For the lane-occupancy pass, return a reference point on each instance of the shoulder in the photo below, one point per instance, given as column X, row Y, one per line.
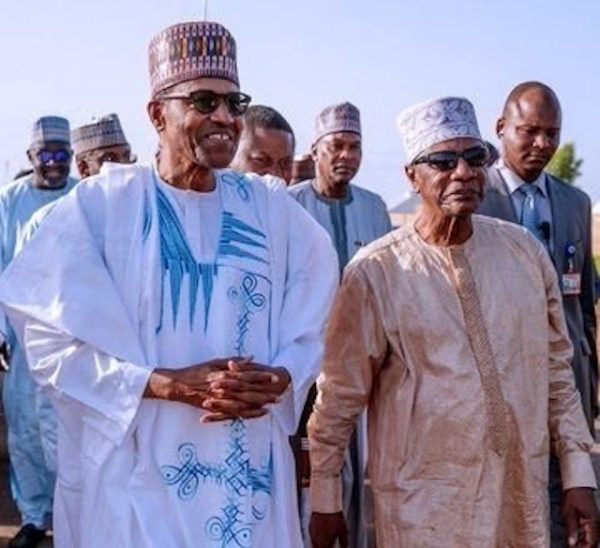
column 300, row 189
column 115, row 181
column 365, row 195
column 15, row 188
column 568, row 191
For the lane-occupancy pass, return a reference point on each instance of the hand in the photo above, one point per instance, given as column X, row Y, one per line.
column 325, row 529
column 581, row 517
column 247, row 383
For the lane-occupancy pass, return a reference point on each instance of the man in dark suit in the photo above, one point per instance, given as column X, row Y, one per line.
column 560, row 216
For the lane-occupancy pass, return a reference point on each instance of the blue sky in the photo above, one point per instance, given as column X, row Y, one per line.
column 81, row 58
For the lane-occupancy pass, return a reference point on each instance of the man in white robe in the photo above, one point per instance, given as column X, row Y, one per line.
column 171, row 285
column 30, row 419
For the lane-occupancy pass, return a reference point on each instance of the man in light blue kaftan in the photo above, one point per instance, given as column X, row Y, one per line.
column 353, row 217
column 31, row 424
column 180, row 326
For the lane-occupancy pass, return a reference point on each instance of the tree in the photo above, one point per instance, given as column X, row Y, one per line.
column 564, row 164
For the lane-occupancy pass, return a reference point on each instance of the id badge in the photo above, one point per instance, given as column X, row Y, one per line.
column 571, row 283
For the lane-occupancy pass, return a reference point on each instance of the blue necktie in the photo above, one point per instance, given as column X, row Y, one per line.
column 530, row 218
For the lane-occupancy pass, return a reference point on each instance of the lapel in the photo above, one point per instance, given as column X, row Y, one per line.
column 497, row 201
column 557, row 194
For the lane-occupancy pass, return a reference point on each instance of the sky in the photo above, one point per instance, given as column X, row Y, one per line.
column 84, row 58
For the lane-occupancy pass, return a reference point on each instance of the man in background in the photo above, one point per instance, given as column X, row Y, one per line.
column 266, row 144
column 31, row 424
column 559, row 215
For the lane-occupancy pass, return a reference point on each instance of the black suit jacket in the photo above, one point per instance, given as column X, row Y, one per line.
column 571, row 224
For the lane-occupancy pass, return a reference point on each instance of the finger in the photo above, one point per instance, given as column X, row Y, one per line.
column 572, row 525
column 216, row 417
column 233, row 407
column 239, row 385
column 591, row 532
column 250, row 397
column 239, row 363
column 259, row 377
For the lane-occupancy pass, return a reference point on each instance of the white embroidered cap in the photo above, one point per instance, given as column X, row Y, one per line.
column 431, row 122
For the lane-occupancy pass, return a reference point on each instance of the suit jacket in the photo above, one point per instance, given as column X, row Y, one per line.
column 571, row 224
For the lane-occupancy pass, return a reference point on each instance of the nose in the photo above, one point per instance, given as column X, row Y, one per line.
column 462, row 169
column 542, row 140
column 222, row 114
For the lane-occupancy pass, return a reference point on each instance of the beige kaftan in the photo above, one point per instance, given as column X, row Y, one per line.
column 462, row 356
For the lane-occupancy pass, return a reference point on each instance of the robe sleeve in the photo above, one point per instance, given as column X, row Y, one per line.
column 310, row 285
column 569, row 433
column 108, row 390
column 78, row 336
column 355, row 349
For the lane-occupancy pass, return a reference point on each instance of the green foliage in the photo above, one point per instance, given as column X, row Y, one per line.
column 564, row 164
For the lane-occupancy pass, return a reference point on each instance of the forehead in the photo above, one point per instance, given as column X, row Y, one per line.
column 218, row 85
column 535, row 109
column 52, row 146
column 116, row 149
column 341, row 137
column 261, row 137
column 457, row 145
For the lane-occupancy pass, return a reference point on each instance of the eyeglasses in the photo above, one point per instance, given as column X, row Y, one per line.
column 206, row 101
column 59, row 156
column 446, row 160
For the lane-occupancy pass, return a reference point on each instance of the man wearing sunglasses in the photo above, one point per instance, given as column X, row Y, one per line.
column 266, row 145
column 559, row 215
column 29, row 415
column 100, row 141
column 179, row 328
column 451, row 332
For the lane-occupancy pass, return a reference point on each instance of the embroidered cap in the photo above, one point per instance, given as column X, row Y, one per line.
column 101, row 132
column 50, row 129
column 336, row 118
column 426, row 124
column 187, row 51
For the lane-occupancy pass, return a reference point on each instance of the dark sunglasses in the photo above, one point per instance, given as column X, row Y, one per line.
column 60, row 156
column 446, row 160
column 206, row 101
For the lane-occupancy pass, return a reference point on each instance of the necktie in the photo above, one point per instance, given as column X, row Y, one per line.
column 530, row 218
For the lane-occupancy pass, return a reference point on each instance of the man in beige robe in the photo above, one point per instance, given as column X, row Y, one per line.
column 451, row 332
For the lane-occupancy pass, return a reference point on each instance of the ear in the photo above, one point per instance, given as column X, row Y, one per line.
column 411, row 175
column 500, row 124
column 83, row 168
column 156, row 114
column 313, row 153
column 30, row 155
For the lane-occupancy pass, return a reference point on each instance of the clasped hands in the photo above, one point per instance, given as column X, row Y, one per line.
column 226, row 388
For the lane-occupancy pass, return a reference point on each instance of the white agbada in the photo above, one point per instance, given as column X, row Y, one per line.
column 144, row 276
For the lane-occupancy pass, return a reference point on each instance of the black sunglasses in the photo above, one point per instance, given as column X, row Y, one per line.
column 59, row 156
column 446, row 160
column 206, row 101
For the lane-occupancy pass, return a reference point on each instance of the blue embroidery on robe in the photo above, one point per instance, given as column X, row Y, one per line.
column 239, row 182
column 147, row 217
column 178, row 261
column 249, row 301
column 239, row 479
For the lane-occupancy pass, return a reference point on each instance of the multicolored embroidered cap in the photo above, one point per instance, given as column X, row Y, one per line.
column 426, row 124
column 105, row 131
column 336, row 118
column 187, row 51
column 50, row 129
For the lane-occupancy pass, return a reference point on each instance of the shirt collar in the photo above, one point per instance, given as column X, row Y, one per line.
column 514, row 182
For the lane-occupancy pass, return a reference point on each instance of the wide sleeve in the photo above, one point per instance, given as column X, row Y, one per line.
column 355, row 349
column 569, row 433
column 311, row 280
column 80, row 338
